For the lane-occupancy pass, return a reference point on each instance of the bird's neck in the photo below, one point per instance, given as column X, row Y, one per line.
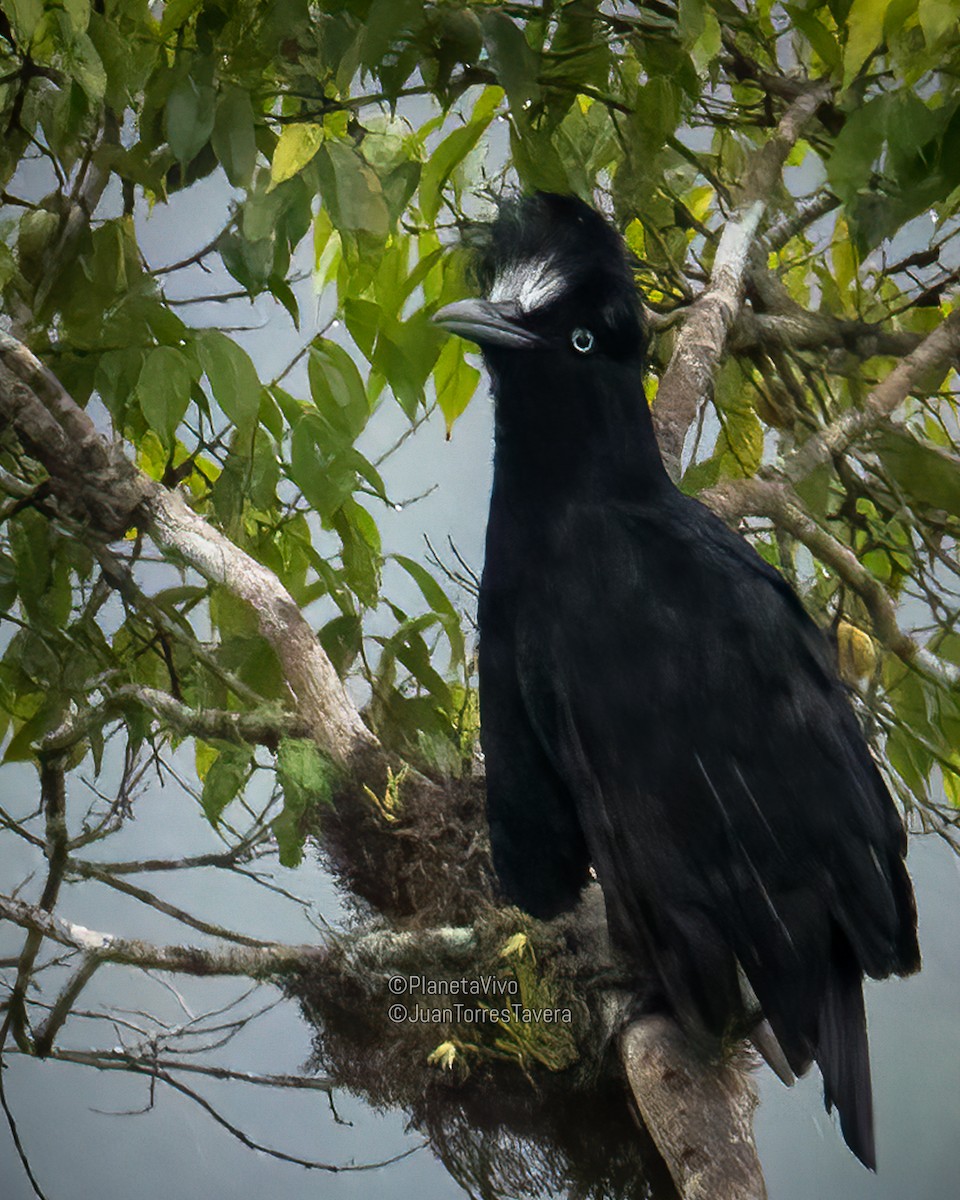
column 577, row 436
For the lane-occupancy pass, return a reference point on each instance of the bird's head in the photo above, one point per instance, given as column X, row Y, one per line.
column 554, row 276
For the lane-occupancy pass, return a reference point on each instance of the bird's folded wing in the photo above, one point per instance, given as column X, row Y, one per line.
column 733, row 811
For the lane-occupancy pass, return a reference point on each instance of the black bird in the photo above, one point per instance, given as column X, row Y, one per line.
column 654, row 699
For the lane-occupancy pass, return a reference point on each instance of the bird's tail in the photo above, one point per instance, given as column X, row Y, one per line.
column 842, row 1053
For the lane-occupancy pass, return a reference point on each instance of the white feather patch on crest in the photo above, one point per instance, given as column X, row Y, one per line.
column 531, row 284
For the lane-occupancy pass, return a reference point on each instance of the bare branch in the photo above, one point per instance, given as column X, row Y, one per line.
column 63, row 1006
column 88, row 870
column 255, row 962
column 122, row 1060
column 790, row 224
column 227, row 859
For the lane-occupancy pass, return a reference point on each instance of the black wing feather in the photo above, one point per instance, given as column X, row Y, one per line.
column 725, row 792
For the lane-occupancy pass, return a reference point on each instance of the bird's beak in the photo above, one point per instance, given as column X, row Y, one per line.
column 488, row 323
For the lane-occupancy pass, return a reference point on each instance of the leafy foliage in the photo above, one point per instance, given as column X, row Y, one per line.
column 355, row 139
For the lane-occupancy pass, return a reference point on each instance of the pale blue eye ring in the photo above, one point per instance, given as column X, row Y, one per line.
column 582, row 340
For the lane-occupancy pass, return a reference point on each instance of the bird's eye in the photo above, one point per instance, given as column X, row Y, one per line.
column 582, row 340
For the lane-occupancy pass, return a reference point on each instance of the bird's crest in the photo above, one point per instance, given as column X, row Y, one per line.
column 544, row 250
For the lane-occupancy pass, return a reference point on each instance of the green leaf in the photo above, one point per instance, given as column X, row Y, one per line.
column 439, row 603
column 951, row 787
column 24, row 16
column 8, row 585
column 253, row 660
column 910, row 760
column 383, row 22
column 264, row 471
column 453, row 150
column 361, row 551
column 325, row 476
column 337, row 389
column 516, row 64
column 282, row 292
column 304, row 774
column 690, row 20
column 152, row 455
column 740, row 444
column 846, row 262
column 290, row 408
column 410, row 649
column 351, row 191
column 224, row 778
column 937, row 18
column 857, row 148
column 341, row 638
column 177, row 13
column 362, row 319
column 189, row 118
column 49, row 710
column 30, row 544
column 232, row 376
column 84, row 65
column 864, row 33
column 538, row 162
column 708, row 45
column 234, row 136
column 822, row 39
column 926, row 475
column 307, row 779
column 878, row 563
column 250, row 263
column 205, row 756
column 163, row 391
column 295, row 147
column 656, row 112
column 455, row 379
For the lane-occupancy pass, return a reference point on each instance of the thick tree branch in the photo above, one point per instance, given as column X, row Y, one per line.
column 790, row 224
column 699, row 1114
column 687, row 383
column 321, row 698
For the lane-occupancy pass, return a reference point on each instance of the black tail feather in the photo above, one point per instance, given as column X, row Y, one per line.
column 842, row 1053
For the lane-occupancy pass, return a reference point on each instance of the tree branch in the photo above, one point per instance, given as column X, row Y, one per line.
column 933, row 355
column 123, row 1060
column 800, row 329
column 321, row 698
column 776, row 499
column 699, row 1114
column 687, row 382
column 211, row 724
column 255, row 962
column 87, row 473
